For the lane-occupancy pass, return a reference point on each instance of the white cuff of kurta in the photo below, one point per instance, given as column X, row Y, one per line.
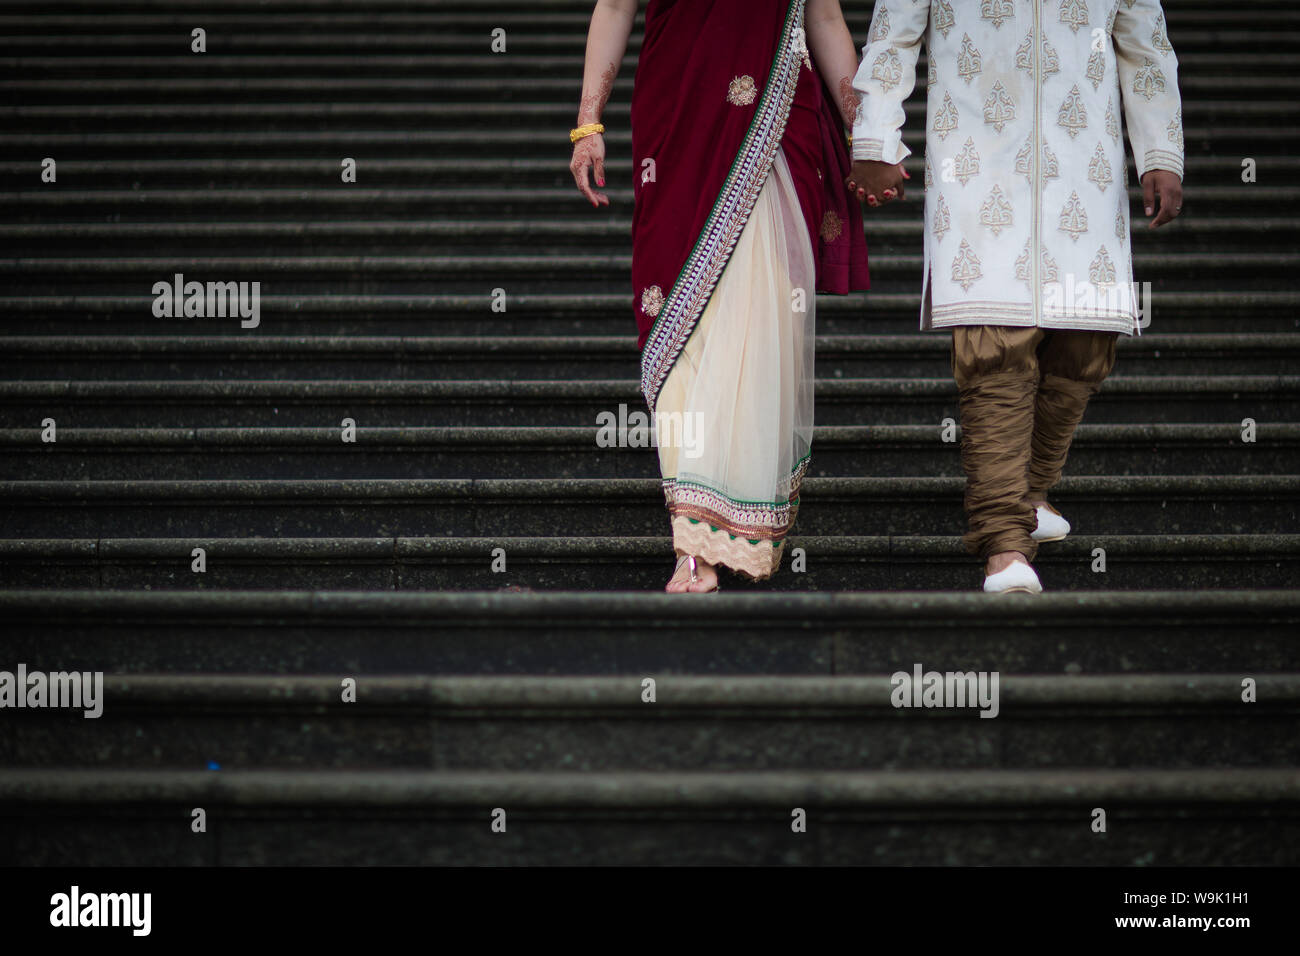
column 890, row 150
column 1154, row 159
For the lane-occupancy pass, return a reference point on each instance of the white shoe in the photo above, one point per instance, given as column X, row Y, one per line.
column 1051, row 526
column 1017, row 576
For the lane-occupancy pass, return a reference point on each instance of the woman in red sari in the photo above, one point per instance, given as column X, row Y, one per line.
column 739, row 153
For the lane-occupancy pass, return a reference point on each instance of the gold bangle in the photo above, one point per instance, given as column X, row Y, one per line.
column 581, row 131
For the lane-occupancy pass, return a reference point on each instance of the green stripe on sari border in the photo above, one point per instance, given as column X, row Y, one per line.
column 754, row 541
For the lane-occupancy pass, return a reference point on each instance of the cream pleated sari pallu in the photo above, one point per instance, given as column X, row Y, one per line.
column 734, row 417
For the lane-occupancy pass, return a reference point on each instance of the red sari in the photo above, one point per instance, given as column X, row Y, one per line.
column 720, row 86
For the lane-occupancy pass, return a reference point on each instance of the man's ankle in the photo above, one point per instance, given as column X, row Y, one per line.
column 1003, row 560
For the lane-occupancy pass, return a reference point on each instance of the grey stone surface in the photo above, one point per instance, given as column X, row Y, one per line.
column 518, row 690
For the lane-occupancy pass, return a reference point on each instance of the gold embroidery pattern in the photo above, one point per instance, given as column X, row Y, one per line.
column 999, row 108
column 945, row 118
column 1047, row 266
column 801, row 47
column 966, row 267
column 1175, row 129
column 1096, row 71
column 887, row 69
column 1112, row 123
column 942, row 219
column 1099, row 169
column 1025, row 159
column 943, row 19
column 880, row 28
column 1074, row 14
column 997, row 12
column 996, row 212
column 1148, row 81
column 1121, row 227
column 1048, row 270
column 1102, row 270
column 967, row 166
column 1022, row 264
column 832, row 226
column 1074, row 217
column 1051, row 169
column 1073, row 115
column 1049, row 63
column 742, row 91
column 652, row 300
column 969, row 61
column 1160, row 35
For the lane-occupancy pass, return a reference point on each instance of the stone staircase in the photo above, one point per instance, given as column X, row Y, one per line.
column 476, row 430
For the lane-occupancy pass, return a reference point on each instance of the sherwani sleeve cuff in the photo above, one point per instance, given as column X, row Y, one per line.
column 1161, row 159
column 887, row 149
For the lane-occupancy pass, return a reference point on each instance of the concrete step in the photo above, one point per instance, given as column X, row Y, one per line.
column 441, row 402
column 541, row 170
column 575, row 313
column 329, row 198
column 1251, row 632
column 243, row 357
column 1163, row 504
column 600, row 724
column 1195, row 88
column 286, row 817
column 515, row 103
column 575, row 451
column 829, row 563
column 547, row 55
column 357, row 275
column 891, row 235
column 252, row 37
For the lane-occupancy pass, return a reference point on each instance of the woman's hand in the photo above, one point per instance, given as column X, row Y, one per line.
column 589, row 154
column 876, row 182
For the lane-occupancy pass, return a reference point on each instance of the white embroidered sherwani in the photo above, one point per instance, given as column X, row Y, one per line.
column 1026, row 206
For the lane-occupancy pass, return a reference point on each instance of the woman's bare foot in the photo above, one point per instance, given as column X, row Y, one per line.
column 706, row 577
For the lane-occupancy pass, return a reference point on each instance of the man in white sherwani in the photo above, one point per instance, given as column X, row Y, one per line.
column 1026, row 221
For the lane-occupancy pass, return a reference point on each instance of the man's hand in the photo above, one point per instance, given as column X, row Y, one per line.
column 1169, row 188
column 876, row 182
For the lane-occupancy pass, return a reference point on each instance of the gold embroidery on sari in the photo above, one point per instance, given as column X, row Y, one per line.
column 742, row 91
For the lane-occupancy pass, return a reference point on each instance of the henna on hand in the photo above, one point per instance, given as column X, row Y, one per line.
column 589, row 154
column 849, row 101
column 593, row 104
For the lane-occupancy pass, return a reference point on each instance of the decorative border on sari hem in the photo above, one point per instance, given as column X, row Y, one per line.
column 690, row 293
column 751, row 520
column 754, row 561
